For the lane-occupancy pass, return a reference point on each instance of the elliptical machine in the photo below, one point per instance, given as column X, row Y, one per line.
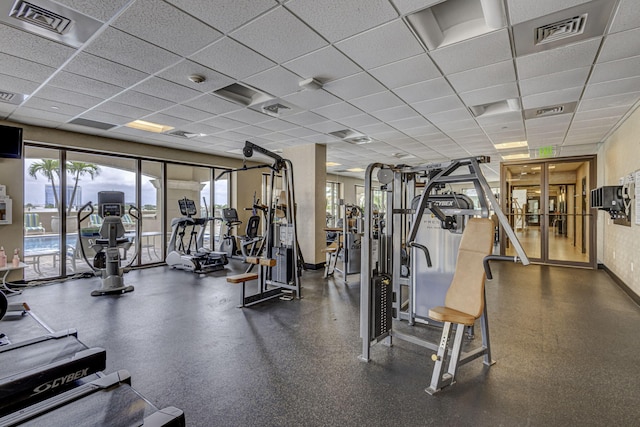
column 108, row 242
column 194, row 256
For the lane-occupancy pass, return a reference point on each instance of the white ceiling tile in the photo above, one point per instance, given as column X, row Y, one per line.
column 627, row 16
column 164, row 89
column 563, row 58
column 27, row 70
column 605, row 114
column 277, row 125
column 408, row 6
column 551, row 98
column 615, row 87
column 276, row 81
column 377, row 128
column 85, row 85
column 378, row 101
column 432, row 106
column 305, row 118
column 231, row 58
column 623, row 102
column 104, row 70
column 395, row 113
column 428, row 130
column 247, row 116
column 102, row 10
column 212, row 104
column 123, row 110
column 387, row 43
column 326, row 127
column 490, row 94
column 477, row 52
column 407, row 71
column 489, row 75
column 458, row 115
column 101, row 116
column 28, row 46
column 225, row 15
column 355, row 122
column 309, row 99
column 73, row 98
column 548, row 123
column 521, row 11
column 279, row 35
column 338, row 19
column 324, row 65
column 615, row 70
column 430, row 89
column 505, row 121
column 620, row 45
column 299, row 132
column 337, row 111
column 414, row 122
column 117, row 46
column 187, row 113
column 36, row 117
column 53, row 106
column 142, row 100
column 557, row 81
column 222, row 122
column 354, row 86
column 166, row 27
column 17, row 85
column 180, row 73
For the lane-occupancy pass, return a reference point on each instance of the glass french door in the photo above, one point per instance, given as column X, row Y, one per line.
column 547, row 204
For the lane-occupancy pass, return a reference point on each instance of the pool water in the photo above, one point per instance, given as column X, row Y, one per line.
column 40, row 243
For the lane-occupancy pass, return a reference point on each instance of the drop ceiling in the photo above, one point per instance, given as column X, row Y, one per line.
column 413, row 99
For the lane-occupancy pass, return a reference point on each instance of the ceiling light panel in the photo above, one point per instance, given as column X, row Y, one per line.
column 149, row 126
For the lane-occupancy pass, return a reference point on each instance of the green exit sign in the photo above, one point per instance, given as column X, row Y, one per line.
column 548, row 151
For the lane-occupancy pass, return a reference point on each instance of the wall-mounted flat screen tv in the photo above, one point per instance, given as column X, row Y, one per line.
column 10, row 142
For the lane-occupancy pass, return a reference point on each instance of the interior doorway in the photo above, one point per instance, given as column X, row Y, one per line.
column 547, row 204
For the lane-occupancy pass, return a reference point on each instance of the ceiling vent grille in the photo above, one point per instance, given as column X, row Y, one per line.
column 92, row 124
column 243, row 95
column 275, row 109
column 39, row 16
column 11, row 97
column 359, row 140
column 184, row 134
column 581, row 22
column 49, row 19
column 551, row 110
column 561, row 30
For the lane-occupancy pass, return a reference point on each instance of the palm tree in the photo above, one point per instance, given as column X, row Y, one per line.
column 48, row 168
column 78, row 169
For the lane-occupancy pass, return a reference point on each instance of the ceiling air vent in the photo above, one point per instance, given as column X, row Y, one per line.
column 11, row 97
column 184, row 134
column 41, row 17
column 359, row 140
column 92, row 124
column 498, row 107
column 351, row 136
column 243, row 95
column 552, row 110
column 51, row 20
column 275, row 109
column 560, row 30
column 567, row 26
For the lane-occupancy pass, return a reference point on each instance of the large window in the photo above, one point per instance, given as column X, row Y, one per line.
column 58, row 183
column 333, row 203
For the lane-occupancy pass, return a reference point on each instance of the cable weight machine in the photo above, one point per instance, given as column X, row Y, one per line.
column 408, row 262
column 279, row 259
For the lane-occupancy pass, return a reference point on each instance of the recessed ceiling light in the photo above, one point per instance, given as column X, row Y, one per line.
column 518, row 156
column 332, row 164
column 148, row 126
column 510, row 145
column 355, row 170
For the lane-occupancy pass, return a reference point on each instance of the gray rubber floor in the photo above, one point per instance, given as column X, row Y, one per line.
column 566, row 344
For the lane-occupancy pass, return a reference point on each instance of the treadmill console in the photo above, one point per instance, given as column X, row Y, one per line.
column 187, row 207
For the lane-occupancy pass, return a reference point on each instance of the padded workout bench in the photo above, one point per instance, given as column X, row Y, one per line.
column 263, row 293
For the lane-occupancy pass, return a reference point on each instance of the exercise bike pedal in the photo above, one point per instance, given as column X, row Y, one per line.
column 287, row 295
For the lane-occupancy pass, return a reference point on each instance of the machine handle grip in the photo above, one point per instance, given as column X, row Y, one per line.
column 487, row 268
column 135, row 215
column 424, row 249
column 83, row 217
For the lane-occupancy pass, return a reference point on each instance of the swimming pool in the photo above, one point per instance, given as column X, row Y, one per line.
column 46, row 242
